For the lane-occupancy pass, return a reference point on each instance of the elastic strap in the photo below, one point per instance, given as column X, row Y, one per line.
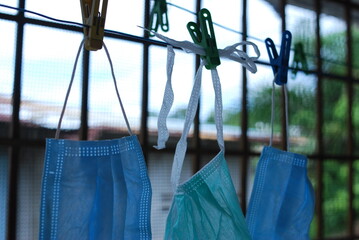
column 57, row 134
column 181, row 147
column 167, row 102
column 286, row 113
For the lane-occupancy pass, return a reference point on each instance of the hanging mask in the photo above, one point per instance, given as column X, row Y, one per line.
column 95, row 189
column 205, row 206
column 281, row 205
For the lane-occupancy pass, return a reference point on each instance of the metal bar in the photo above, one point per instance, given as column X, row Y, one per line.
column 15, row 131
column 145, row 78
column 320, row 118
column 244, row 119
column 85, row 93
column 349, row 89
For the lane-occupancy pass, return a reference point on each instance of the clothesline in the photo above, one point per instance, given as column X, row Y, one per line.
column 143, row 39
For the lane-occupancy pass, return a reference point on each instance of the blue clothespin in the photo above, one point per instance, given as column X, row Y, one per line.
column 280, row 62
column 207, row 40
column 159, row 17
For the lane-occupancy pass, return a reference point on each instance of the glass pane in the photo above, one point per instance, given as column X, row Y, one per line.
column 252, row 166
column 259, row 109
column 7, row 65
column 335, row 198
column 179, row 14
column 302, row 113
column 231, row 84
column 333, row 40
column 356, row 117
column 159, row 170
column 4, row 162
column 355, row 43
column 125, row 16
column 11, row 3
column 29, row 193
column 182, row 82
column 312, row 174
column 263, row 21
column 356, row 193
column 104, row 107
column 226, row 28
column 68, row 10
column 46, row 75
column 301, row 22
column 335, row 110
column 235, row 168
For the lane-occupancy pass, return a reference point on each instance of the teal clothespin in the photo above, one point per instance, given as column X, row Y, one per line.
column 207, row 40
column 299, row 59
column 159, row 17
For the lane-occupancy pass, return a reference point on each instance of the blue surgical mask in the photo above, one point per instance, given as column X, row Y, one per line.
column 95, row 189
column 281, row 205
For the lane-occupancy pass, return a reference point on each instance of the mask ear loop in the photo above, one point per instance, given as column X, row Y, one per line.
column 286, row 113
column 57, row 134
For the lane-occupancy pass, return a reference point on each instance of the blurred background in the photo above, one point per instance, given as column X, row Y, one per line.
column 36, row 60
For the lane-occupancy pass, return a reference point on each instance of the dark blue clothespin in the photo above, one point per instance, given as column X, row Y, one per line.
column 159, row 17
column 279, row 62
column 207, row 40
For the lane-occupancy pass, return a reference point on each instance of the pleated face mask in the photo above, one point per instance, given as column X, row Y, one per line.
column 206, row 206
column 281, row 205
column 95, row 189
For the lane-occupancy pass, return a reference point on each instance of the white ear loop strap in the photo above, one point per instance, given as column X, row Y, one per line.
column 167, row 102
column 57, row 134
column 286, row 113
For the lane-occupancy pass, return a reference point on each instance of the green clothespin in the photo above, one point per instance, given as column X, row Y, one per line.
column 159, row 17
column 299, row 59
column 207, row 40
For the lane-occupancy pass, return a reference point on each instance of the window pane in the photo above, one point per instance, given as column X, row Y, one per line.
column 355, row 44
column 355, row 117
column 356, row 193
column 11, row 3
column 65, row 10
column 159, row 170
column 259, row 109
column 7, row 65
column 229, row 73
column 252, row 166
column 312, row 165
column 125, row 16
column 263, row 21
column 104, row 106
column 301, row 22
column 182, row 83
column 179, row 14
column 334, row 41
column 29, row 193
column 302, row 113
column 335, row 110
column 48, row 61
column 335, row 198
column 226, row 28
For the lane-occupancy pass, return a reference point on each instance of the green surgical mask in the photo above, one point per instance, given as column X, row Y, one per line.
column 205, row 206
